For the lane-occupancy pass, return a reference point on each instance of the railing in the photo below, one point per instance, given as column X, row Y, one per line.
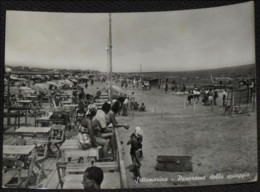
column 122, row 170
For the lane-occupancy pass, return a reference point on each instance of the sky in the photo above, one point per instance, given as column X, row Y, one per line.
column 148, row 42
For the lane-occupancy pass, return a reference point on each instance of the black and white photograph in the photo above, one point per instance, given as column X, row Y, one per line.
column 121, row 100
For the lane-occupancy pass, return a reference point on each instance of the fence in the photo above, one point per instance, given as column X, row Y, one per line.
column 239, row 101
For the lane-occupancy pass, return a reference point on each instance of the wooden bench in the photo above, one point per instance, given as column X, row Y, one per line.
column 80, row 168
column 70, row 149
column 101, row 100
column 99, row 105
column 91, row 154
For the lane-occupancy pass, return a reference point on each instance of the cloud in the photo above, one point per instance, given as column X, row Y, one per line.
column 166, row 41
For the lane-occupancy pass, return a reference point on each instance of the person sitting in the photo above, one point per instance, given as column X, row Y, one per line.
column 57, row 102
column 75, row 97
column 92, row 178
column 81, row 104
column 98, row 93
column 136, row 106
column 142, row 107
column 100, row 124
column 86, row 137
column 111, row 116
column 88, row 128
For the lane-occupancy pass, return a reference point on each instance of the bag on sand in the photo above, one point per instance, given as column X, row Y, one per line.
column 84, row 141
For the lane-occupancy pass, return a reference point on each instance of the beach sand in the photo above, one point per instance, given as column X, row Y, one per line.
column 217, row 143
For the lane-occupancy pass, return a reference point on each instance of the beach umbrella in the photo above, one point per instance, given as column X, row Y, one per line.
column 22, row 79
column 53, row 83
column 40, row 87
column 39, row 76
column 73, row 80
column 68, row 82
column 14, row 78
column 117, row 91
column 26, row 90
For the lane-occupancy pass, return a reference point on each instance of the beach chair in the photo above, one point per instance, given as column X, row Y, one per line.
column 61, row 168
column 35, row 109
column 41, row 153
column 57, row 137
column 11, row 169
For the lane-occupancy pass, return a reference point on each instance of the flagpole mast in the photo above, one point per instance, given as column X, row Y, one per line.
column 110, row 59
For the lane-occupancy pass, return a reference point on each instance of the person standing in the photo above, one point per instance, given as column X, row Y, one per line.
column 166, row 88
column 224, row 97
column 136, row 152
column 132, row 101
column 215, row 96
column 125, row 106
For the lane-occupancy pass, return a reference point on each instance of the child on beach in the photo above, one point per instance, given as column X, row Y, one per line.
column 136, row 153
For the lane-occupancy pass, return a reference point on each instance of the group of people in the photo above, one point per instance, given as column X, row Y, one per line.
column 130, row 103
column 207, row 96
column 94, row 176
column 97, row 129
column 132, row 84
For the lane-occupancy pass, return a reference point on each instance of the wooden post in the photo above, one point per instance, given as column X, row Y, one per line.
column 212, row 103
column 133, row 112
column 8, row 100
column 155, row 107
column 194, row 108
column 253, row 102
column 184, row 104
column 233, row 102
column 162, row 111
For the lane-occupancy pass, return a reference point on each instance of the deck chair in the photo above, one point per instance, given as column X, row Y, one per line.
column 11, row 168
column 35, row 109
column 41, row 152
column 20, row 141
column 57, row 137
column 61, row 167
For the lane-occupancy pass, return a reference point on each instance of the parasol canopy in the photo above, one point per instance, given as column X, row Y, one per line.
column 26, row 90
column 53, row 84
column 40, row 87
column 117, row 91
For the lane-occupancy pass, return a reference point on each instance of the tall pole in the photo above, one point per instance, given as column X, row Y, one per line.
column 8, row 72
column 141, row 77
column 110, row 59
column 107, row 49
column 8, row 99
